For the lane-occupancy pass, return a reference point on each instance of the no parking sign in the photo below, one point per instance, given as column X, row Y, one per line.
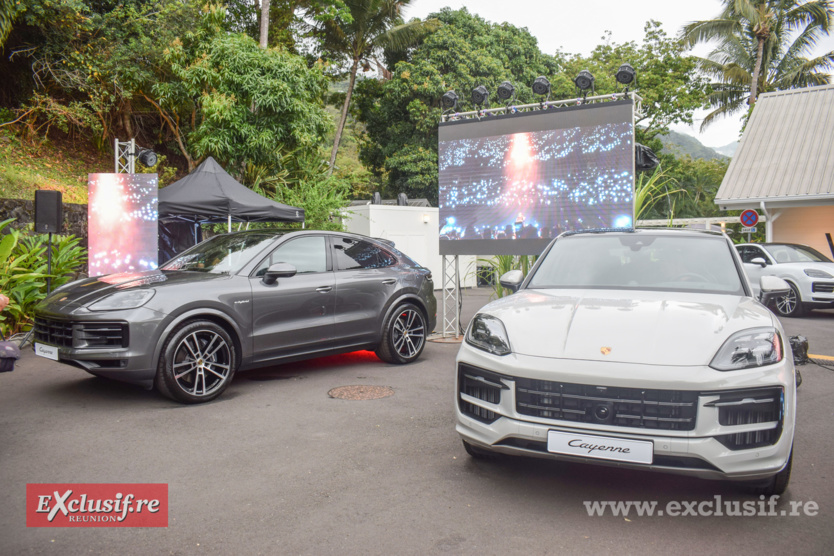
column 749, row 218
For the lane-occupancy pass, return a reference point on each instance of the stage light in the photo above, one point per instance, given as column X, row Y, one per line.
column 625, row 75
column 541, row 86
column 449, row 100
column 146, row 157
column 585, row 80
column 480, row 95
column 506, row 91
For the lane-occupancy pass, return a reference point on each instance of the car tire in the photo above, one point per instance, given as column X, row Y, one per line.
column 197, row 363
column 403, row 336
column 790, row 305
column 479, row 453
column 777, row 484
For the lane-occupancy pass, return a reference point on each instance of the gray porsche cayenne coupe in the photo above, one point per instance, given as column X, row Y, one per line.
column 239, row 301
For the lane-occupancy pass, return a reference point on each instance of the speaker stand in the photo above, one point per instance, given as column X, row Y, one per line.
column 49, row 265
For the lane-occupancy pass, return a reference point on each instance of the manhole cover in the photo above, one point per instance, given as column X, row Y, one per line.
column 362, row 392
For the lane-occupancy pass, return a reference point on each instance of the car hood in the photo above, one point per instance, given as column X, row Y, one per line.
column 655, row 328
column 84, row 292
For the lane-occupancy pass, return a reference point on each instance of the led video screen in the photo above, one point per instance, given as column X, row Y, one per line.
column 510, row 183
column 122, row 215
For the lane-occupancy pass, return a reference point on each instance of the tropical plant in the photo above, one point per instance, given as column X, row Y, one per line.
column 322, row 200
column 649, row 190
column 491, row 269
column 375, row 25
column 761, row 46
column 24, row 273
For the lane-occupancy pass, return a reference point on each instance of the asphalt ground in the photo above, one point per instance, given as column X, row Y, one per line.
column 276, row 466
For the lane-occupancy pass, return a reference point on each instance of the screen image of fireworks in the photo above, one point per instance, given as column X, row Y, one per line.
column 536, row 184
column 122, row 215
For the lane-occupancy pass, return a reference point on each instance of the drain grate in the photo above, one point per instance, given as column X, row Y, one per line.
column 361, row 392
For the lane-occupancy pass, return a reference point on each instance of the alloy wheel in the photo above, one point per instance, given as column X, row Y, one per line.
column 409, row 333
column 202, row 363
column 787, row 305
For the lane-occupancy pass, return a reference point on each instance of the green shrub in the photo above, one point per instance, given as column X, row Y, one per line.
column 23, row 272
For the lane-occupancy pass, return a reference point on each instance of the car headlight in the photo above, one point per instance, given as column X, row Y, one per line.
column 123, row 300
column 815, row 273
column 488, row 333
column 756, row 347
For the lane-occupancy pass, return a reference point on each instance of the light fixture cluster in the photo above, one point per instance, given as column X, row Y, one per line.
column 584, row 82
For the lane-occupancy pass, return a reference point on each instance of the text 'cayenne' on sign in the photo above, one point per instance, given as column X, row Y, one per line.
column 97, row 505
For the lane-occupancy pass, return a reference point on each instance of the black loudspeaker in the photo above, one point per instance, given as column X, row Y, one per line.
column 49, row 212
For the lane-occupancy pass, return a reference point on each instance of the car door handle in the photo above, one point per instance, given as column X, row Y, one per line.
column 389, row 281
column 324, row 289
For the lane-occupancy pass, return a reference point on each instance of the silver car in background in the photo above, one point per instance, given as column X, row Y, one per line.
column 809, row 273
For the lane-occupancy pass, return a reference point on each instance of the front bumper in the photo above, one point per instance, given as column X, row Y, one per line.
column 702, row 447
column 114, row 345
column 817, row 291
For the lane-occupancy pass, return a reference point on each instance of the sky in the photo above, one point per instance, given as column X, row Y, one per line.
column 577, row 27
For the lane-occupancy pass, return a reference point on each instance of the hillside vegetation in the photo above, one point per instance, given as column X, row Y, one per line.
column 58, row 165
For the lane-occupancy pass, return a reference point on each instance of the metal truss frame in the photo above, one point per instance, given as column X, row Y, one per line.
column 545, row 105
column 451, row 296
column 125, row 152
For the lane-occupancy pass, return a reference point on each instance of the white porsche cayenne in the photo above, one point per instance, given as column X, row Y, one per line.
column 640, row 348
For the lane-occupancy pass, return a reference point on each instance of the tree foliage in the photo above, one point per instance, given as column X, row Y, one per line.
column 762, row 45
column 375, row 25
column 169, row 73
column 225, row 97
column 401, row 115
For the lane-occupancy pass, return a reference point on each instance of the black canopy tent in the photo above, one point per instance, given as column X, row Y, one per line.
column 209, row 194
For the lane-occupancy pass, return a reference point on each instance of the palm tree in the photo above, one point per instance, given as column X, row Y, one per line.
column 377, row 24
column 755, row 53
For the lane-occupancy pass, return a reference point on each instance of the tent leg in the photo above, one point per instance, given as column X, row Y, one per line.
column 230, row 223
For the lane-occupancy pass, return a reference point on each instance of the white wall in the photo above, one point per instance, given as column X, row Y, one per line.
column 805, row 225
column 406, row 227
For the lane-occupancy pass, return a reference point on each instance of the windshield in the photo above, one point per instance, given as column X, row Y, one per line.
column 786, row 253
column 225, row 254
column 640, row 262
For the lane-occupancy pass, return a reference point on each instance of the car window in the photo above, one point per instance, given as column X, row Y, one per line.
column 785, row 253
column 222, row 254
column 748, row 253
column 352, row 254
column 640, row 261
column 306, row 254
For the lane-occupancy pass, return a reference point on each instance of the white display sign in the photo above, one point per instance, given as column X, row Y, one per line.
column 600, row 447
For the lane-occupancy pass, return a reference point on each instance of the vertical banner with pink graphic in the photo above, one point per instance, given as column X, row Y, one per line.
column 122, row 214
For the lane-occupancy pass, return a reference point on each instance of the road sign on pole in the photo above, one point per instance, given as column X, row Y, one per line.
column 749, row 218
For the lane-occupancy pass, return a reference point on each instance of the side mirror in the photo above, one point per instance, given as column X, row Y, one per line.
column 759, row 261
column 279, row 270
column 772, row 287
column 512, row 280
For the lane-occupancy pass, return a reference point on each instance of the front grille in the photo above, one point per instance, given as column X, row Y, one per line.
column 820, row 287
column 482, row 385
column 625, row 407
column 54, row 332
column 81, row 335
column 750, row 407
